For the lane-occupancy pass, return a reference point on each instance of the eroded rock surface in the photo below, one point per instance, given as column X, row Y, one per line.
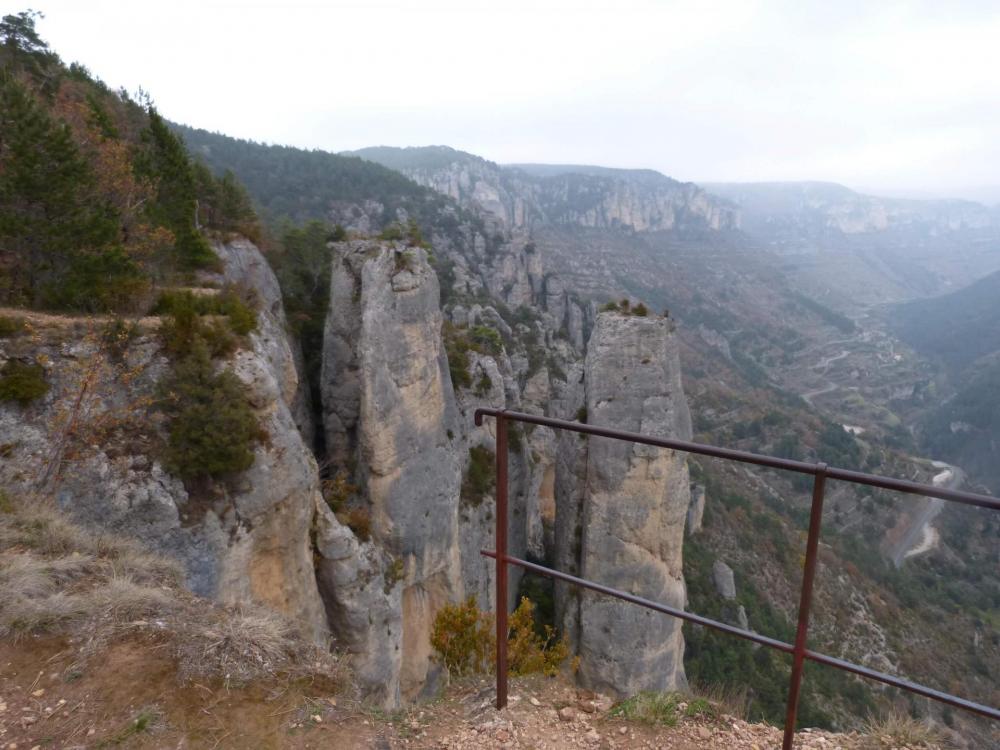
column 390, row 419
column 635, row 500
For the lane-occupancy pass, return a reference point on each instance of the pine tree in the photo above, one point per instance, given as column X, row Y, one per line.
column 212, row 429
column 166, row 162
column 43, row 180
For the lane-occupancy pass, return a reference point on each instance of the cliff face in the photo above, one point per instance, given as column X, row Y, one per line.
column 250, row 544
column 633, row 504
column 527, row 196
column 824, row 207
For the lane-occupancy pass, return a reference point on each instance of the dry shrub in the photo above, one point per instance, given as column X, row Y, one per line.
column 463, row 636
column 464, row 639
column 899, row 729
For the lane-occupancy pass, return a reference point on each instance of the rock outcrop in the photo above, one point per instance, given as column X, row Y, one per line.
column 630, row 525
column 725, row 582
column 249, row 544
column 390, row 419
column 696, row 511
column 530, row 195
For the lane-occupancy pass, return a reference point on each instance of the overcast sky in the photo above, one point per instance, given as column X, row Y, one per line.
column 896, row 96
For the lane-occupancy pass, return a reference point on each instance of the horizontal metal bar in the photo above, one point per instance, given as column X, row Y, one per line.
column 787, row 648
column 647, row 603
column 899, row 682
column 773, row 462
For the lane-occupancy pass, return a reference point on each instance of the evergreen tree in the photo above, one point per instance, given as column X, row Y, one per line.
column 212, row 429
column 166, row 162
column 21, row 47
column 44, row 216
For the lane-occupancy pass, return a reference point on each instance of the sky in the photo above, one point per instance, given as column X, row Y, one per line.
column 894, row 97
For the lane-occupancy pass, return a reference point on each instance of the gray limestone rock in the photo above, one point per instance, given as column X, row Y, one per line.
column 248, row 544
column 389, row 410
column 362, row 591
column 635, row 499
column 725, row 583
column 696, row 511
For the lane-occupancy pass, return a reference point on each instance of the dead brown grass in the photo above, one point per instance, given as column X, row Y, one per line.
column 58, row 577
column 896, row 729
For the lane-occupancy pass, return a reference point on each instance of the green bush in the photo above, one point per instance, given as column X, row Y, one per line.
column 459, row 341
column 232, row 317
column 212, row 429
column 22, row 382
column 480, row 475
column 10, row 326
column 486, row 340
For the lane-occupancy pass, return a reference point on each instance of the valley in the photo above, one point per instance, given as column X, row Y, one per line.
column 237, row 388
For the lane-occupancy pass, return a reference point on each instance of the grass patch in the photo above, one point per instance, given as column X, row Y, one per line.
column 650, row 708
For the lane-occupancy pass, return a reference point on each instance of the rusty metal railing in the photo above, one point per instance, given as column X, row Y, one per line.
column 799, row 650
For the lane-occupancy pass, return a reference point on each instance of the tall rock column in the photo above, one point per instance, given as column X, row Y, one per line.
column 635, row 501
column 390, row 416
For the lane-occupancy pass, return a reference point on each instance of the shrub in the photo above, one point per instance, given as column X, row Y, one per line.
column 393, row 232
column 212, row 429
column 234, row 317
column 456, row 347
column 458, row 342
column 10, row 326
column 480, row 475
column 117, row 335
column 529, row 651
column 484, row 384
column 22, row 382
column 463, row 636
column 581, row 415
column 337, row 491
column 640, row 311
column 486, row 340
column 358, row 520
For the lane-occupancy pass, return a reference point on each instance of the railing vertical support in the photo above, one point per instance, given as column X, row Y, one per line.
column 501, row 561
column 805, row 602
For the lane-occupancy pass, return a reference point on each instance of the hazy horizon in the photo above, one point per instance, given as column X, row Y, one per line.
column 892, row 99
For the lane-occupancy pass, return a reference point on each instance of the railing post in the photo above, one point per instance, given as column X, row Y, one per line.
column 501, row 561
column 805, row 601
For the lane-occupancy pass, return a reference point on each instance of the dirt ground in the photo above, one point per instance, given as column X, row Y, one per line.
column 130, row 696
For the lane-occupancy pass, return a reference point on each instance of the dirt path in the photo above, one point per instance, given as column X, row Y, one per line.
column 130, row 697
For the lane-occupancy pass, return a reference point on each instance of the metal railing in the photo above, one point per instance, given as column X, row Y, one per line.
column 799, row 650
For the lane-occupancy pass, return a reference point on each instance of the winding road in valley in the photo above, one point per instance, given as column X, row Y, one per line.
column 920, row 536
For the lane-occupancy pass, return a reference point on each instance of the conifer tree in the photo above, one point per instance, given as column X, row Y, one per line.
column 212, row 429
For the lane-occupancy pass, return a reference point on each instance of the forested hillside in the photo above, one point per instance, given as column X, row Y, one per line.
column 98, row 198
column 302, row 185
column 957, row 328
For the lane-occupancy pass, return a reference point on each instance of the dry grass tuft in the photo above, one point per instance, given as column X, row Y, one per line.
column 237, row 648
column 898, row 729
column 123, row 600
